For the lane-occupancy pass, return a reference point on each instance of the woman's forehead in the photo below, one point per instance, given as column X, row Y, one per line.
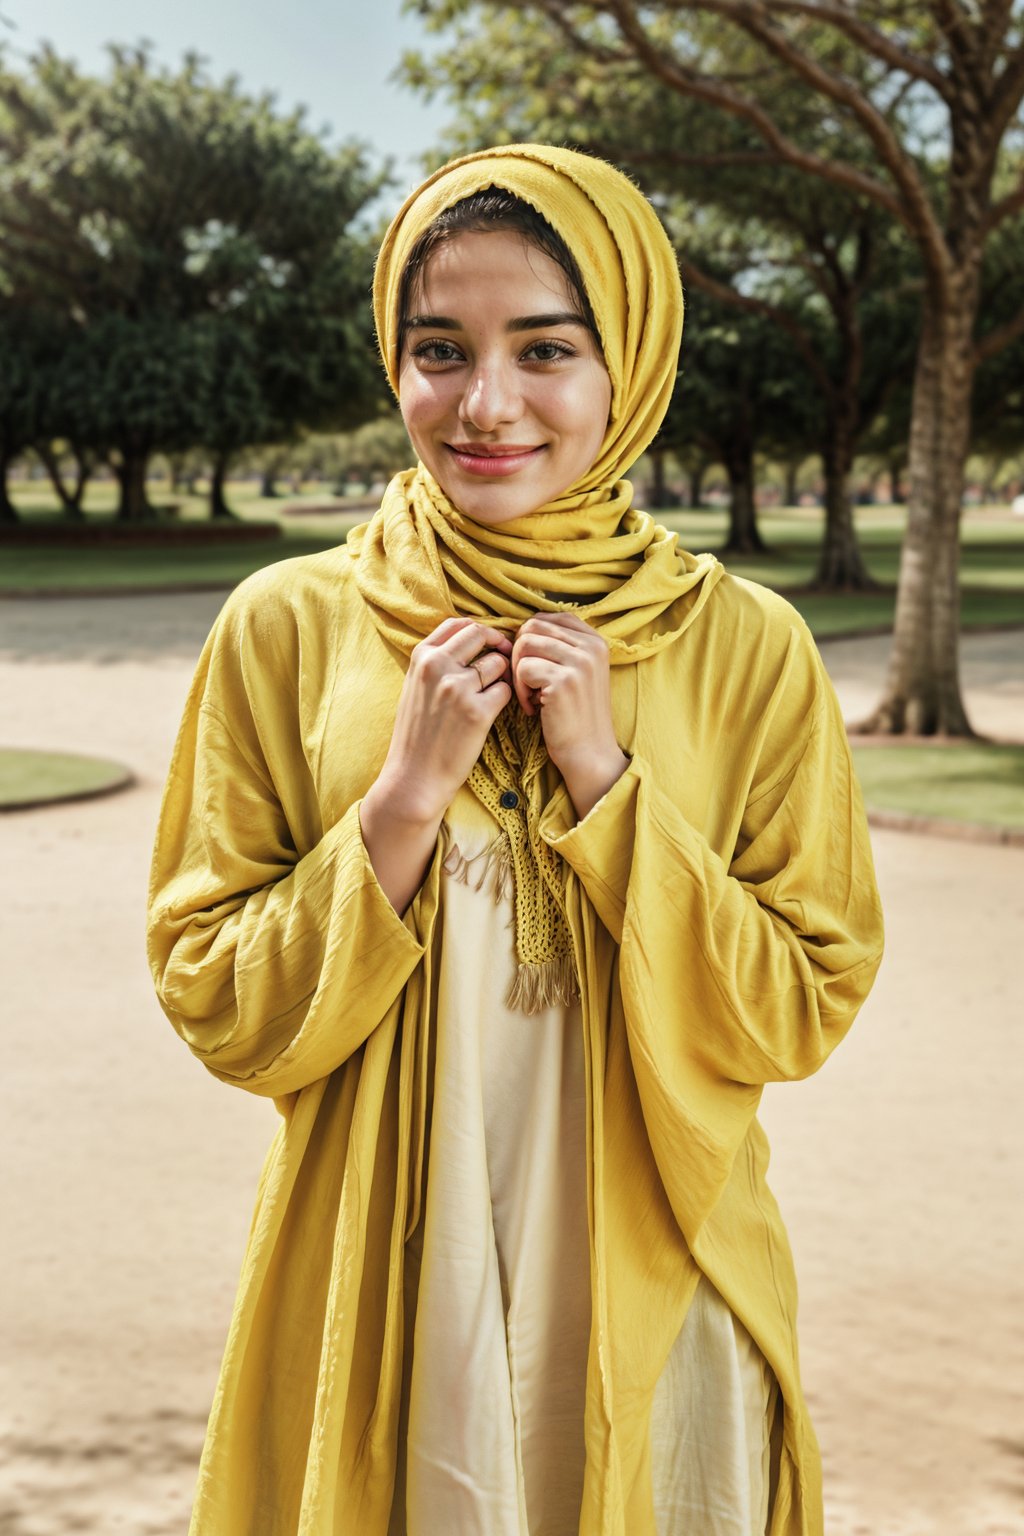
column 501, row 262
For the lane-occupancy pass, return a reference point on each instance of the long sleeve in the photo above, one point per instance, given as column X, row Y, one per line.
column 273, row 948
column 760, row 960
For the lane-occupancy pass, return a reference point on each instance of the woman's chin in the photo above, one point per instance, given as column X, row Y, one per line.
column 492, row 503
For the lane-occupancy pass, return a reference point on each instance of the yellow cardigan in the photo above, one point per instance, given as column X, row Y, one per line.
column 726, row 923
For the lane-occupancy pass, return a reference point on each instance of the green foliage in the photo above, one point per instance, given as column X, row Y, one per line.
column 998, row 401
column 200, row 248
column 831, row 274
column 740, row 383
column 375, row 451
column 679, row 95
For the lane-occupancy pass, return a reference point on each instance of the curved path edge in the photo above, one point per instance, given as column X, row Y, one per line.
column 942, row 826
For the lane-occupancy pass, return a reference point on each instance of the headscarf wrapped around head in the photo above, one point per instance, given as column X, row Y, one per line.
column 627, row 264
column 421, row 560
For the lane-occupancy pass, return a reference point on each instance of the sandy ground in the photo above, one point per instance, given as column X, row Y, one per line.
column 131, row 1173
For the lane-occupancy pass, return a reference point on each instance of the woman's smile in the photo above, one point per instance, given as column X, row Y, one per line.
column 492, row 460
column 503, row 388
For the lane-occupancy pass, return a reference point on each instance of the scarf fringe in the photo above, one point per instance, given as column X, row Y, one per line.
column 537, row 985
column 495, row 861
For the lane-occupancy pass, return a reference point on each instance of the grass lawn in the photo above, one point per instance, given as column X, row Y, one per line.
column 41, row 570
column 992, row 558
column 33, row 778
column 972, row 782
column 992, row 564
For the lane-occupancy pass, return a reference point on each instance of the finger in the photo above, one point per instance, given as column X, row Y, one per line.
column 446, row 629
column 531, row 677
column 464, row 644
column 460, row 624
column 494, row 699
column 528, row 702
column 489, row 668
column 554, row 647
column 570, row 622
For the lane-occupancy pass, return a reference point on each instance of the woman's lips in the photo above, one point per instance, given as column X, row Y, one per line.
column 493, row 462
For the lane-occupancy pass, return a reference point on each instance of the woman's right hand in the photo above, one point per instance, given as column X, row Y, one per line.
column 458, row 682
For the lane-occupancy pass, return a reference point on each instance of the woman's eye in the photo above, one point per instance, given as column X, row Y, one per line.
column 436, row 351
column 548, row 351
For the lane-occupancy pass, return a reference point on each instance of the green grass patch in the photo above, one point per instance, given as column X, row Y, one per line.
column 82, row 570
column 971, row 782
column 991, row 563
column 38, row 778
column 43, row 569
column 992, row 553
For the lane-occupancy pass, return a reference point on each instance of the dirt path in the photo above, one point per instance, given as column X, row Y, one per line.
column 131, row 1172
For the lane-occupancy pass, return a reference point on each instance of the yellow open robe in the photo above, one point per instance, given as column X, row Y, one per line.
column 726, row 925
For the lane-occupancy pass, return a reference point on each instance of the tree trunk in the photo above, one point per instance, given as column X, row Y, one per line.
column 922, row 689
column 791, row 495
column 8, row 511
column 841, row 566
column 744, row 535
column 84, row 465
column 176, row 470
column 656, row 494
column 218, row 502
column 697, row 484
column 71, row 501
column 131, row 473
column 896, row 468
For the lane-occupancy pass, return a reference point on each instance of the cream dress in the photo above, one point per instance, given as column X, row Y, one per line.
column 497, row 1331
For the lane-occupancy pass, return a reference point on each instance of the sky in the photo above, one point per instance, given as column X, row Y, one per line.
column 334, row 56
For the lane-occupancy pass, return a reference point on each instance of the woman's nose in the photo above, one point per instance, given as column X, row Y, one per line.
column 492, row 397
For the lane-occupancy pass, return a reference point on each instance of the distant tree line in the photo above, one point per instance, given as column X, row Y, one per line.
column 181, row 267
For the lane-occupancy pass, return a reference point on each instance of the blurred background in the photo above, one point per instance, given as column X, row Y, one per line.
column 190, row 202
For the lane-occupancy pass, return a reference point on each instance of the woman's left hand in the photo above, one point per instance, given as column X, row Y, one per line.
column 560, row 671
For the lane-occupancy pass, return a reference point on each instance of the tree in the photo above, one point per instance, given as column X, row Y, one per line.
column 376, row 450
column 997, row 409
column 158, row 210
column 738, row 393
column 813, row 260
column 30, row 344
column 930, row 91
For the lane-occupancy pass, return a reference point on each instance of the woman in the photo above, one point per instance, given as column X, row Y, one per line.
column 512, row 850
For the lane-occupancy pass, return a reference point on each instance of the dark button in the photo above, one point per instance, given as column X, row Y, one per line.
column 509, row 799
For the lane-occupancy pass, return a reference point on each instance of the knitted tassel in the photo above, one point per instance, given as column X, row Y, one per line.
column 542, row 986
column 537, row 985
column 495, row 863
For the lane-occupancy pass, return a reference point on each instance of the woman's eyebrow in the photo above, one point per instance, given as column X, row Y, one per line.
column 522, row 323
column 542, row 322
column 431, row 322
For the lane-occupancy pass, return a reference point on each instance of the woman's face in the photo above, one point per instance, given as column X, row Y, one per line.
column 502, row 387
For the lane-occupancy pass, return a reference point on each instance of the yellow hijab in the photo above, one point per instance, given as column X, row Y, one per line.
column 420, row 559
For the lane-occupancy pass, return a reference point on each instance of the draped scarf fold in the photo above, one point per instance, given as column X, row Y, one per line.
column 420, row 559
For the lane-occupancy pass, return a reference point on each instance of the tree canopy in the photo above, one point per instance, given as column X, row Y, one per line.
column 912, row 109
column 202, row 248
